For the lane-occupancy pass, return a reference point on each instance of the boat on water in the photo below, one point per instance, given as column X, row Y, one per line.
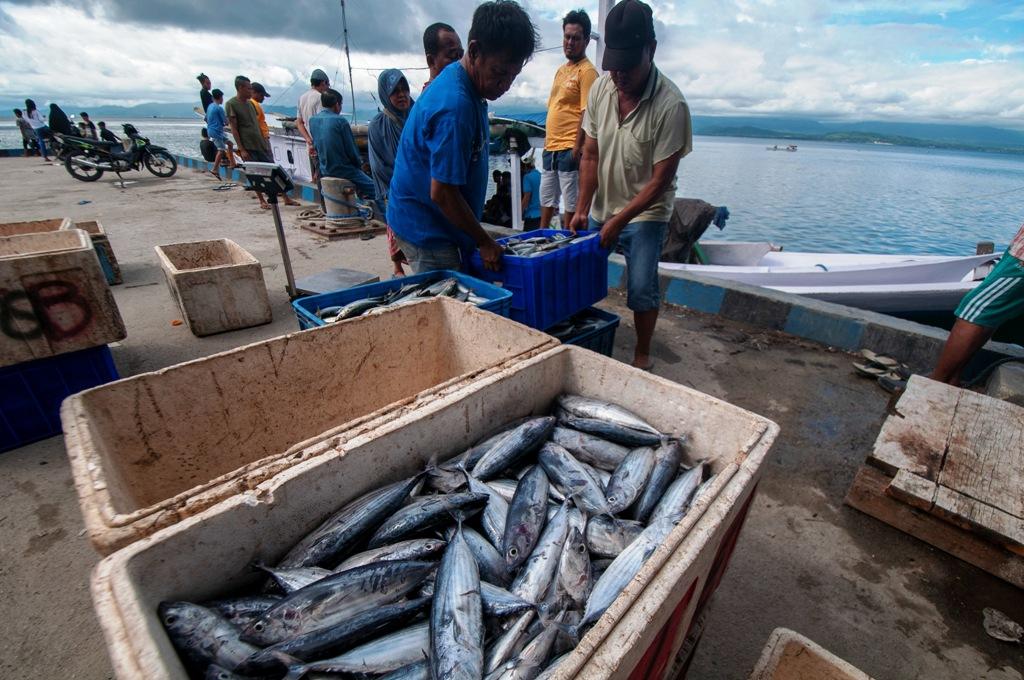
column 789, row 147
column 891, row 284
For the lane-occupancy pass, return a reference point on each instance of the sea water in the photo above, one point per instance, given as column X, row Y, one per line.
column 825, row 197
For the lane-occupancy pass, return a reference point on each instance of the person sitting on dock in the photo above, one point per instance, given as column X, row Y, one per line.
column 442, row 46
column 90, row 127
column 259, row 93
column 563, row 143
column 336, row 147
column 631, row 202
column 246, row 129
column 440, row 181
column 108, row 136
column 384, row 133
column 216, row 125
column 531, row 194
column 206, row 147
column 995, row 301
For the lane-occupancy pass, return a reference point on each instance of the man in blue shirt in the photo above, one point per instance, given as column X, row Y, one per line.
column 216, row 126
column 336, row 147
column 440, row 179
column 531, row 194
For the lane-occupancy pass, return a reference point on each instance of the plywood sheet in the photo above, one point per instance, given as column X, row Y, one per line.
column 914, row 438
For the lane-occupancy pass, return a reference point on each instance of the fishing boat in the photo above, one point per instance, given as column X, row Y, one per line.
column 891, row 284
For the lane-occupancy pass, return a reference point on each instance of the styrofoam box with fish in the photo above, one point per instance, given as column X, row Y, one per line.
column 211, row 553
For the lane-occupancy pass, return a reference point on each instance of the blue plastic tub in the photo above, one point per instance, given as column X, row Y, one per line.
column 31, row 392
column 600, row 339
column 549, row 288
column 498, row 299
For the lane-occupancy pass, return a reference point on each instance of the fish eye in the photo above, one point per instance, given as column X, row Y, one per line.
column 170, row 620
column 258, row 627
column 513, row 552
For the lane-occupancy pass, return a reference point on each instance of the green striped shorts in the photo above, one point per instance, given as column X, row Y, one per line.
column 999, row 298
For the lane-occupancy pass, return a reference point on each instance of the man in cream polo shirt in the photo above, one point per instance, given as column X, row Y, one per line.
column 637, row 128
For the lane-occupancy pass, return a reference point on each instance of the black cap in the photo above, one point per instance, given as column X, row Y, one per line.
column 628, row 29
column 259, row 89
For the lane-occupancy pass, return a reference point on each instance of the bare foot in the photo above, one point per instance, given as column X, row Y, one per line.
column 264, row 206
column 643, row 361
column 289, row 201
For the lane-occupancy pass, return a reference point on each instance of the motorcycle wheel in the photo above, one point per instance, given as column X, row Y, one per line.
column 81, row 172
column 161, row 163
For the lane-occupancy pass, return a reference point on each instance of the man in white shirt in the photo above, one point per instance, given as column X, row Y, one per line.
column 309, row 106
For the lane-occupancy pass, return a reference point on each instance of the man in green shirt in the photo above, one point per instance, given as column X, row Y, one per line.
column 245, row 127
column 637, row 128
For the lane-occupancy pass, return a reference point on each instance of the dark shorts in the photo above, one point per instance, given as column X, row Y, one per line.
column 261, row 157
column 561, row 161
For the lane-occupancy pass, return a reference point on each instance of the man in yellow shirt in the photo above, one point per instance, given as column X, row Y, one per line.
column 566, row 104
column 259, row 93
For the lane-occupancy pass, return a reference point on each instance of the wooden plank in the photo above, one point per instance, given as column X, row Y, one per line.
column 912, row 489
column 867, row 494
column 974, row 515
column 985, row 459
column 915, row 437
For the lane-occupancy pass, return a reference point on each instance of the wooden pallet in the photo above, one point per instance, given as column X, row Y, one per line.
column 948, row 468
column 318, row 227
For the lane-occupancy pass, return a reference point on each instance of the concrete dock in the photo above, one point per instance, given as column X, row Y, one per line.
column 885, row 602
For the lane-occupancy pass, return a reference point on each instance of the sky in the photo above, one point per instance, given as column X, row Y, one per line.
column 949, row 61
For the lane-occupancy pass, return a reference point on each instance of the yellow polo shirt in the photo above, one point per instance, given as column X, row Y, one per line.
column 568, row 99
column 627, row 151
column 261, row 119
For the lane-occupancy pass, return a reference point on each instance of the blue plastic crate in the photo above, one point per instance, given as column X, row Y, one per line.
column 549, row 288
column 600, row 339
column 31, row 392
column 498, row 299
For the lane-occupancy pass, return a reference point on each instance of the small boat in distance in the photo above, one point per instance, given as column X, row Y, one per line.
column 789, row 147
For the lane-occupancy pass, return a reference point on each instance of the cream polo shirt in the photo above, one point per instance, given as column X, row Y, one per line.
column 627, row 151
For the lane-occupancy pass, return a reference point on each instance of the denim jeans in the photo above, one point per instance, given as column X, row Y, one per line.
column 41, row 133
column 429, row 260
column 641, row 243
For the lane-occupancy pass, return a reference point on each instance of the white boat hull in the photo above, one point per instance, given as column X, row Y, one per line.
column 903, row 299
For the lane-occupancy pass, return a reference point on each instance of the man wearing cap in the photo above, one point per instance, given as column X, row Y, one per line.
column 309, row 106
column 564, row 140
column 259, row 93
column 637, row 127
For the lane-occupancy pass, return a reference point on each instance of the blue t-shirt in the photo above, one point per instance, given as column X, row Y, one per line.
column 531, row 185
column 335, row 146
column 216, row 121
column 444, row 139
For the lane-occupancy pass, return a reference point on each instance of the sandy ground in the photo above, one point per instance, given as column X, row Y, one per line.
column 887, row 603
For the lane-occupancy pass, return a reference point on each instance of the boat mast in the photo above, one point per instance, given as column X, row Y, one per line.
column 351, row 85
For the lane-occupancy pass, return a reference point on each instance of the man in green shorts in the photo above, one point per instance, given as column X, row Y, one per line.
column 998, row 299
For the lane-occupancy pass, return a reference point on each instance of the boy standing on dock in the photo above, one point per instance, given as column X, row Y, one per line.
column 246, row 129
column 259, row 93
column 637, row 127
column 216, row 126
column 441, row 168
column 566, row 104
column 995, row 301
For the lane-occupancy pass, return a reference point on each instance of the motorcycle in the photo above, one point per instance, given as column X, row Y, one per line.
column 87, row 159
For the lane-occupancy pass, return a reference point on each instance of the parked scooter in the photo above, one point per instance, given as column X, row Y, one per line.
column 87, row 159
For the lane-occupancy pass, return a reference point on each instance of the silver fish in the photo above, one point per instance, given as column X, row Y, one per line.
column 456, row 619
column 620, row 434
column 384, row 654
column 290, row 580
column 584, row 407
column 241, row 611
column 342, row 530
column 447, row 477
column 505, row 487
column 424, row 513
column 528, row 665
column 203, row 636
column 513, row 447
column 337, row 598
column 596, row 451
column 607, row 536
column 357, row 307
column 334, row 639
column 508, row 644
column 552, row 668
column 575, row 478
column 412, row 549
column 676, row 500
column 500, row 602
column 629, row 479
column 492, row 520
column 527, row 514
column 534, row 578
column 574, row 568
column 667, row 458
column 622, row 570
column 215, row 672
column 414, row 671
column 488, row 559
